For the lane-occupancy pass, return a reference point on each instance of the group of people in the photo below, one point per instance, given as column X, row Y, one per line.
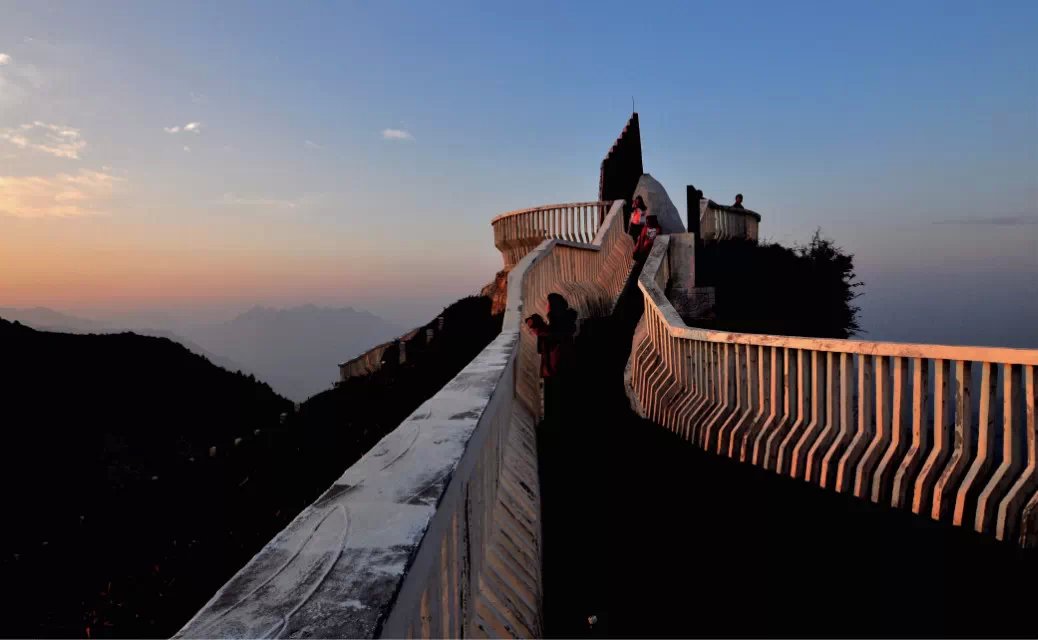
column 644, row 228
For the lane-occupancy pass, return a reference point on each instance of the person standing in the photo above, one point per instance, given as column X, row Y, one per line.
column 738, row 202
column 557, row 349
column 638, row 216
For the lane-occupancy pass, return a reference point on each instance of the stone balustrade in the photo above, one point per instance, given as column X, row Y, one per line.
column 436, row 530
column 946, row 431
column 516, row 233
column 718, row 222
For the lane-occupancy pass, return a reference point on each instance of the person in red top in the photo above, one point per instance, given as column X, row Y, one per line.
column 648, row 235
column 638, row 215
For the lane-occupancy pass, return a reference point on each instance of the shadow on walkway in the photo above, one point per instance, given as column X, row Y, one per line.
column 657, row 538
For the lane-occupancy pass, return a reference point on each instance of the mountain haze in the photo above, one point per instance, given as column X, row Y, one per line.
column 295, row 350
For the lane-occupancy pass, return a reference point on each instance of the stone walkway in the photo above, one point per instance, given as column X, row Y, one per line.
column 657, row 538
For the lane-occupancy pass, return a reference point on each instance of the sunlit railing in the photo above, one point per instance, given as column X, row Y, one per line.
column 516, row 233
column 436, row 530
column 946, row 431
column 718, row 222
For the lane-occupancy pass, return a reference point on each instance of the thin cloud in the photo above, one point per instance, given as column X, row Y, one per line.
column 190, row 127
column 995, row 221
column 312, row 144
column 17, row 81
column 56, row 140
column 187, row 148
column 62, row 196
column 239, row 201
column 396, row 134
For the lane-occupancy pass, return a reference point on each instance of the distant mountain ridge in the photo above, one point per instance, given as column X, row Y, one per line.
column 47, row 319
column 295, row 349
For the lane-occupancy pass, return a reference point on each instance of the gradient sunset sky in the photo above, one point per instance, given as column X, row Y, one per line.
column 206, row 157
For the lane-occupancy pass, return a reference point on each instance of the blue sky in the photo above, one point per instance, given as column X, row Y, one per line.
column 909, row 133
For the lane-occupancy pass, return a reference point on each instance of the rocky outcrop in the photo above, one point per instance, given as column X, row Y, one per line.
column 660, row 204
column 497, row 291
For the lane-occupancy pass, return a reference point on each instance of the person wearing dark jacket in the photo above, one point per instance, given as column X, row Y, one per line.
column 738, row 202
column 555, row 344
column 638, row 215
column 648, row 235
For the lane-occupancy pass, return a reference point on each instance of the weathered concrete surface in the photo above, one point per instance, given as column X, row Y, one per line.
column 660, row 204
column 336, row 570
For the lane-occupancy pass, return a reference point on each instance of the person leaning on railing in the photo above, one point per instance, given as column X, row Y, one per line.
column 555, row 344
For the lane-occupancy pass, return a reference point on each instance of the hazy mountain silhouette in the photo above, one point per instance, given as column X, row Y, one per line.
column 50, row 320
column 46, row 319
column 295, row 350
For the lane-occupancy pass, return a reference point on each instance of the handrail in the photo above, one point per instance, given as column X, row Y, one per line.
column 895, row 423
column 516, row 233
column 436, row 530
column 720, row 222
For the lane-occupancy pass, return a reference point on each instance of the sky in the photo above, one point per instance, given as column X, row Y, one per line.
column 202, row 158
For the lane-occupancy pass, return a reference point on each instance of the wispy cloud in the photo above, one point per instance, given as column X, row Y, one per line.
column 312, row 144
column 187, row 148
column 17, row 80
column 998, row 221
column 396, row 134
column 190, row 127
column 239, row 201
column 57, row 140
column 61, row 196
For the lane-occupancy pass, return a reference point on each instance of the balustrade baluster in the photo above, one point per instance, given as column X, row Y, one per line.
column 830, row 462
column 789, row 399
column 1024, row 492
column 904, row 479
column 961, row 444
column 983, row 459
column 1012, row 452
column 942, row 436
column 783, row 465
column 897, row 434
column 803, row 445
column 814, row 471
column 878, row 437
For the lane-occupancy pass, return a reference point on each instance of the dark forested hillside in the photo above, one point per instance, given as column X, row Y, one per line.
column 120, row 521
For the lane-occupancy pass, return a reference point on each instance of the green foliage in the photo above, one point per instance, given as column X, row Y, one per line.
column 807, row 290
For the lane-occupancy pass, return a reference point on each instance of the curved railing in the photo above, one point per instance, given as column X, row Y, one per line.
column 517, row 233
column 906, row 425
column 436, row 530
column 718, row 222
